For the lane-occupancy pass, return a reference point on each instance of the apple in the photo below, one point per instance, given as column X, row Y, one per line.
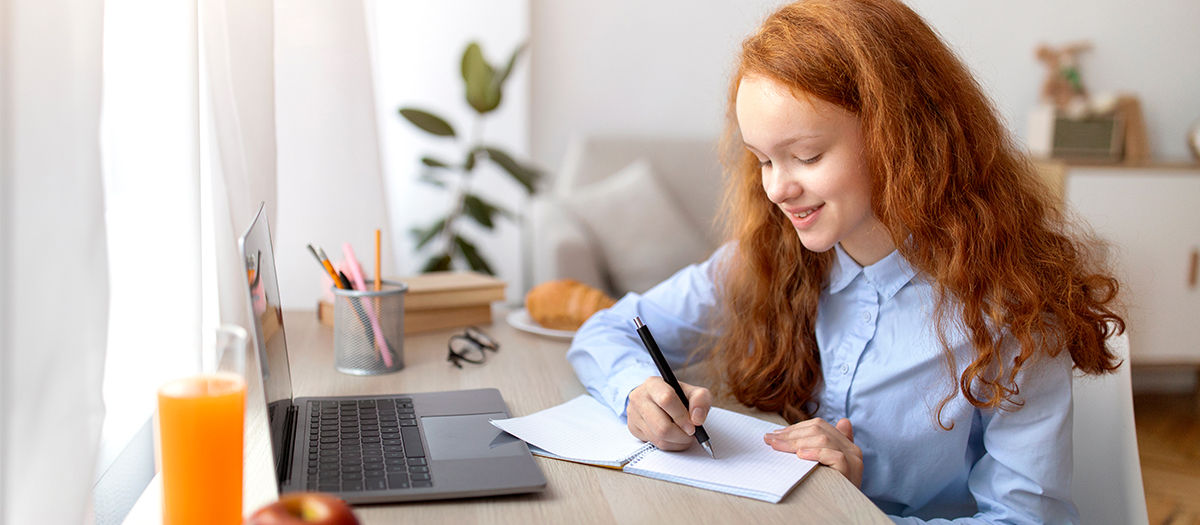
column 304, row 508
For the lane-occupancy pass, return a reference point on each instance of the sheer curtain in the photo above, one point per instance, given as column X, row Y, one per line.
column 237, row 104
column 189, row 152
column 331, row 188
column 53, row 308
column 149, row 141
column 238, row 115
column 121, row 277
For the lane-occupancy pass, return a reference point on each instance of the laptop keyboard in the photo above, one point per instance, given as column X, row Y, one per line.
column 368, row 444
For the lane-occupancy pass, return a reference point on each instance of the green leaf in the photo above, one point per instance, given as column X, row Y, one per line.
column 469, row 164
column 524, row 175
column 483, row 93
column 437, row 263
column 417, row 233
column 428, row 121
column 512, row 61
column 472, row 56
column 432, row 179
column 472, row 255
column 433, row 163
column 424, row 235
column 483, row 211
column 476, row 210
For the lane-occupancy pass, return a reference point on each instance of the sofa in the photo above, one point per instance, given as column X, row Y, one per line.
column 624, row 213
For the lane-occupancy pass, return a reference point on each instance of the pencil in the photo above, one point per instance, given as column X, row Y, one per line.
column 337, row 281
column 343, row 283
column 378, row 283
column 370, row 307
column 325, row 265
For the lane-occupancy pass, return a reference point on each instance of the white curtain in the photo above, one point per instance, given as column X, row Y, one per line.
column 54, row 303
column 188, row 140
column 330, row 180
column 238, row 116
column 149, row 139
column 188, row 143
column 238, row 164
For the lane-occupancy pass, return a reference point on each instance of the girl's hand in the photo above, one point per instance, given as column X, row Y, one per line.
column 657, row 415
column 817, row 440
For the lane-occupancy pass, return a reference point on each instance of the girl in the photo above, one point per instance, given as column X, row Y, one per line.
column 897, row 283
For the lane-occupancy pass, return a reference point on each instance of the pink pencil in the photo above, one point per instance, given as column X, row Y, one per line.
column 356, row 277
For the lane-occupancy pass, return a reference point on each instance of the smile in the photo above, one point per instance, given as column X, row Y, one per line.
column 805, row 212
column 803, row 218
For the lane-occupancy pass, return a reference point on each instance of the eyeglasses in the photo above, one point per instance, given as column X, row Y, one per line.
column 469, row 346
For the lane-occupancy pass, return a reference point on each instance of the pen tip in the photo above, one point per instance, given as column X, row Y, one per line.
column 708, row 448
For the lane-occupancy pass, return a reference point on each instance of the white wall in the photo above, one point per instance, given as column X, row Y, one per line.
column 628, row 67
column 1146, row 47
column 661, row 68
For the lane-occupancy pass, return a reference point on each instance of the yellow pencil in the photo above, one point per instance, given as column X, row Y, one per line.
column 378, row 282
column 337, row 281
column 325, row 264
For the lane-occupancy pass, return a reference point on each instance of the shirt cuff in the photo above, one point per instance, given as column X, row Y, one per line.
column 615, row 392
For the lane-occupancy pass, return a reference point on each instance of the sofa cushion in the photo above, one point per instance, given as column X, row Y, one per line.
column 642, row 234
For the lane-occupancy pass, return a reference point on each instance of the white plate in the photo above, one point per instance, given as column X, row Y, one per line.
column 520, row 320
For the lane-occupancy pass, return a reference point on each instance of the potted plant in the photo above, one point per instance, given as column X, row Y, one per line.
column 484, row 85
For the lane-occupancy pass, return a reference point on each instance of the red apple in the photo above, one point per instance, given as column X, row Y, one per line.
column 304, row 508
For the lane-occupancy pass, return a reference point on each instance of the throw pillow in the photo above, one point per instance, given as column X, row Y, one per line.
column 642, row 234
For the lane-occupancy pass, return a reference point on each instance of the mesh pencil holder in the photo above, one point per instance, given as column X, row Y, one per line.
column 368, row 329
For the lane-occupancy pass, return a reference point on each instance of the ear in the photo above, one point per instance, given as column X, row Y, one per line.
column 1077, row 48
column 1044, row 53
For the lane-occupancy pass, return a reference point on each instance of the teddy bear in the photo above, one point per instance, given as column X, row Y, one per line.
column 1063, row 87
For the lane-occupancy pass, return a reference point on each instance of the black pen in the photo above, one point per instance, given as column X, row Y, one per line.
column 664, row 369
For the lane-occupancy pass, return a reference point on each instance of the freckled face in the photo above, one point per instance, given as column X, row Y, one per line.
column 811, row 152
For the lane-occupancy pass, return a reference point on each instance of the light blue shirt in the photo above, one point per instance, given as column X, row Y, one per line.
column 884, row 369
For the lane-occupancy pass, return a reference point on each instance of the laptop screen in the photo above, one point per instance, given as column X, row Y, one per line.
column 267, row 324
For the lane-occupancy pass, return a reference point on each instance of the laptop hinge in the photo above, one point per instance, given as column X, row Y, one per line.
column 284, row 468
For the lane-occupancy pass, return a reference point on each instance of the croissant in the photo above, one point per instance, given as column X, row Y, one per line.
column 564, row 304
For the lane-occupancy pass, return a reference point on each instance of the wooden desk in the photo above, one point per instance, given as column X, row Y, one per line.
column 531, row 373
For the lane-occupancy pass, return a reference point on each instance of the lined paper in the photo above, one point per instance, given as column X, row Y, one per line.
column 580, row 430
column 585, row 431
column 745, row 465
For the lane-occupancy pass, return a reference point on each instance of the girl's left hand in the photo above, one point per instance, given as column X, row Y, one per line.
column 817, row 440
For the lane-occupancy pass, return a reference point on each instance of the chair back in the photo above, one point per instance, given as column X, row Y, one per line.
column 1107, row 486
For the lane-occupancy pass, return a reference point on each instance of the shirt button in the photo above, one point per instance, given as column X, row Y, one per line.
column 866, row 317
column 844, row 369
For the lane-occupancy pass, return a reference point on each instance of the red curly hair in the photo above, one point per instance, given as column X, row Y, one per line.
column 961, row 202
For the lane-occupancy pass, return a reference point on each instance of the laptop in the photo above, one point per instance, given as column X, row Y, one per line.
column 375, row 448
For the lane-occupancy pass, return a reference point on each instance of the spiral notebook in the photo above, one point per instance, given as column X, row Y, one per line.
column 584, row 431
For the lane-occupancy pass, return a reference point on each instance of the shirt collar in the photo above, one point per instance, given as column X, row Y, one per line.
column 844, row 270
column 887, row 276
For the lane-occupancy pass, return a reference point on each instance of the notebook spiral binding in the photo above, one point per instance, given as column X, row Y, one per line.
column 648, row 448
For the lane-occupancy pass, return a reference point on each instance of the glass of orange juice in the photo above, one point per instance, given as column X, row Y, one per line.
column 200, row 425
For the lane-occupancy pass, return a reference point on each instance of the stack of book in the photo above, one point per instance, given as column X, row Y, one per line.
column 441, row 300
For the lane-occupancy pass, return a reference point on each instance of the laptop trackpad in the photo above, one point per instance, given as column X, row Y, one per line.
column 470, row 436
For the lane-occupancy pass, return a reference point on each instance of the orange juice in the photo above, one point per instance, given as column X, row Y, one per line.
column 200, row 431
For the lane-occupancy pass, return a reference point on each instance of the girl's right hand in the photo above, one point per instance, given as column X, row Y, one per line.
column 656, row 414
